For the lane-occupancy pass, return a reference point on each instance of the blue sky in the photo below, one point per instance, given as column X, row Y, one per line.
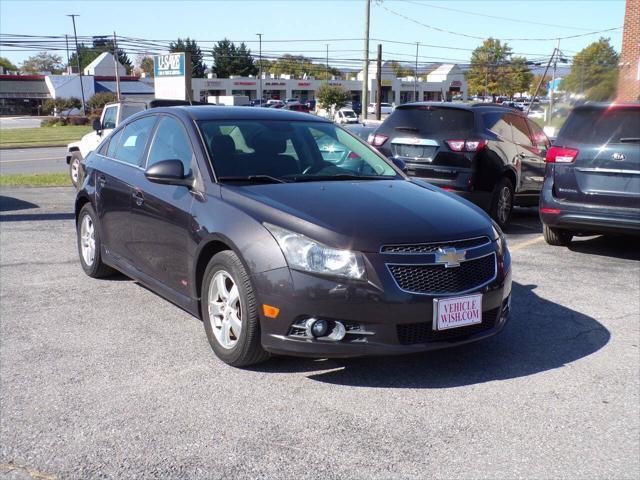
column 326, row 21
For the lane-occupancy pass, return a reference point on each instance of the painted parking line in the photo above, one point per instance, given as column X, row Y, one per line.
column 521, row 245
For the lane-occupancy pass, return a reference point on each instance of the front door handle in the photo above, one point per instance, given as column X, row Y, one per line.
column 138, row 196
column 102, row 180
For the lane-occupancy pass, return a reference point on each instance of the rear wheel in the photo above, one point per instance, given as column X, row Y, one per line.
column 556, row 237
column 502, row 202
column 75, row 170
column 230, row 312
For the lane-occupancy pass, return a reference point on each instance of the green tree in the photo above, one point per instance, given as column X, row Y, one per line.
column 187, row 45
column 518, row 76
column 229, row 59
column 43, row 62
column 105, row 44
column 99, row 100
column 144, row 64
column 299, row 66
column 594, row 71
column 86, row 54
column 6, row 64
column 487, row 73
column 544, row 86
column 398, row 70
column 332, row 96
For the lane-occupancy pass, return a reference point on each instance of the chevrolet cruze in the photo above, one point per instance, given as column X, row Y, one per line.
column 288, row 235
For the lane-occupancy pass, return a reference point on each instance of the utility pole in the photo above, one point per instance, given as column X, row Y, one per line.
column 365, row 69
column 327, row 68
column 260, row 79
column 415, row 76
column 379, row 82
column 66, row 42
column 553, row 81
column 75, row 36
column 115, row 62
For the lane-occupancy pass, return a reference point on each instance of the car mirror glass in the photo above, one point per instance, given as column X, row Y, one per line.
column 97, row 125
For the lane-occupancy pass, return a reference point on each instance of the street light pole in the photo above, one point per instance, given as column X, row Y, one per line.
column 75, row 35
column 260, row 79
column 365, row 69
column 415, row 76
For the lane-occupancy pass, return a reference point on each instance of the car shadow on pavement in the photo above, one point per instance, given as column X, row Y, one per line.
column 9, row 204
column 540, row 336
column 524, row 221
column 34, row 217
column 623, row 247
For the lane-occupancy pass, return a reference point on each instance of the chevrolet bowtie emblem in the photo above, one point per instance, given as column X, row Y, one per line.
column 450, row 257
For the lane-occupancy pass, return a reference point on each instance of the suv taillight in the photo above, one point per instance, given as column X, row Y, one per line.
column 466, row 145
column 561, row 155
column 377, row 140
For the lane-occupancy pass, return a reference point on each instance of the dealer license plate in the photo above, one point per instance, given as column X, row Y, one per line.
column 457, row 312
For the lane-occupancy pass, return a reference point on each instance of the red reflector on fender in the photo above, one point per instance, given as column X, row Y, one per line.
column 553, row 211
column 269, row 311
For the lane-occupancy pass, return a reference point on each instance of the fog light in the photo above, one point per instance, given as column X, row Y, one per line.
column 338, row 332
column 317, row 327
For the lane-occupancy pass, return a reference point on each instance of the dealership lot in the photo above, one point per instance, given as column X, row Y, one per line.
column 106, row 379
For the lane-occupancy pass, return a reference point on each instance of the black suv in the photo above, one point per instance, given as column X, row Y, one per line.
column 592, row 180
column 489, row 154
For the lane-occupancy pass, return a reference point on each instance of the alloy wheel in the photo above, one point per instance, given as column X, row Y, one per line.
column 225, row 312
column 88, row 240
column 504, row 204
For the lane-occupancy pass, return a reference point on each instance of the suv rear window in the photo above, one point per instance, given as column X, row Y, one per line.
column 601, row 126
column 432, row 120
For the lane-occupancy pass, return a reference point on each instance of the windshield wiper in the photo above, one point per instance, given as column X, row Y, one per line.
column 407, row 129
column 253, row 179
column 630, row 140
column 340, row 176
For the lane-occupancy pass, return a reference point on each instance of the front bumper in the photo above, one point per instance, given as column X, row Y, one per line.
column 395, row 322
column 586, row 218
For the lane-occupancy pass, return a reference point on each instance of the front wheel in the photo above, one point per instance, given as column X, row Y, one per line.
column 502, row 202
column 556, row 237
column 230, row 312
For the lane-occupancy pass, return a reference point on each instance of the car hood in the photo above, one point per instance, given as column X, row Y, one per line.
column 362, row 215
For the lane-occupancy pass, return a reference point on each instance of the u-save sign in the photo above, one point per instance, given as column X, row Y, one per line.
column 169, row 65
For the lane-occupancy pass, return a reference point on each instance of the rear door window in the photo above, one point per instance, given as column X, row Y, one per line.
column 520, row 130
column 601, row 126
column 432, row 121
column 110, row 117
column 132, row 142
column 113, row 144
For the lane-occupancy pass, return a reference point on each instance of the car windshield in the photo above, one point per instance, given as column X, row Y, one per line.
column 349, row 113
column 289, row 151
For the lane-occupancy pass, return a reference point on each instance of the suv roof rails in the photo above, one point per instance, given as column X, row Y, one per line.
column 494, row 105
column 160, row 102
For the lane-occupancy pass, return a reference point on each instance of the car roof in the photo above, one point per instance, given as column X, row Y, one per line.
column 462, row 106
column 213, row 112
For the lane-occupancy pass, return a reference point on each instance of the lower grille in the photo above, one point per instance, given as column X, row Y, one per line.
column 412, row 333
column 436, row 279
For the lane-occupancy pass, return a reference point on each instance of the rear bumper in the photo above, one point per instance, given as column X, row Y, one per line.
column 585, row 218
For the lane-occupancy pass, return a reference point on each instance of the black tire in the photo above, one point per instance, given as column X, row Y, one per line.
column 502, row 202
column 556, row 237
column 247, row 349
column 95, row 269
column 76, row 172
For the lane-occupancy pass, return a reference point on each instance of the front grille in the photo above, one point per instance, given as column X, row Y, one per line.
column 412, row 333
column 433, row 247
column 436, row 279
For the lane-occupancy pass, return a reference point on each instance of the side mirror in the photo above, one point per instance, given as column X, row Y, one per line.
column 399, row 163
column 168, row 172
column 97, row 125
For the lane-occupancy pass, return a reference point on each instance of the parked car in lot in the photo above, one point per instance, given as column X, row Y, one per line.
column 296, row 107
column 275, row 103
column 112, row 115
column 241, row 217
column 385, row 108
column 592, row 179
column 345, row 115
column 487, row 153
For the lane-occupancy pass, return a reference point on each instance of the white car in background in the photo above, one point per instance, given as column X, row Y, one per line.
column 345, row 116
column 537, row 112
column 385, row 108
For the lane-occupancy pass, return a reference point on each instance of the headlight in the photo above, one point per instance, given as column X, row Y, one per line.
column 499, row 237
column 303, row 253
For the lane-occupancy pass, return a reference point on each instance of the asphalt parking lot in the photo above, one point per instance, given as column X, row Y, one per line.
column 104, row 379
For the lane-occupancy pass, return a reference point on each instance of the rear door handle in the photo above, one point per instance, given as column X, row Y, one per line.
column 102, row 180
column 138, row 196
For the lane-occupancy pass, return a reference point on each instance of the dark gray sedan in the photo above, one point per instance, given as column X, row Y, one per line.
column 286, row 234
